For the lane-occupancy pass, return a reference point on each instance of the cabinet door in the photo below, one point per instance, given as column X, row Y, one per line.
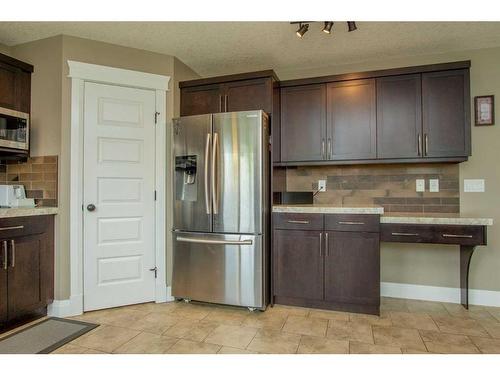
column 399, row 118
column 303, row 123
column 351, row 131
column 298, row 264
column 352, row 267
column 8, row 86
column 446, row 113
column 26, row 291
column 249, row 95
column 201, row 100
column 3, row 284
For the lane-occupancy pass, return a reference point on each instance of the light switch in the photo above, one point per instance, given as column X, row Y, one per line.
column 420, row 188
column 434, row 185
column 474, row 186
column 322, row 185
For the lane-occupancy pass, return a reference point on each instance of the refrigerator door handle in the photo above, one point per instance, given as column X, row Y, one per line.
column 214, row 177
column 216, row 242
column 207, row 155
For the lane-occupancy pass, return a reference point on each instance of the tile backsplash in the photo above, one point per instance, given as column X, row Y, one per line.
column 391, row 186
column 38, row 175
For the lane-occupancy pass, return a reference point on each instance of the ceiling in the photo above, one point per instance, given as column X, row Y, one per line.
column 213, row 48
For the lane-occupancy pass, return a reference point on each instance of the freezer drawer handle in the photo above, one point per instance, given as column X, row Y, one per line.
column 11, row 228
column 351, row 223
column 216, row 242
column 457, row 235
column 405, row 234
column 298, row 221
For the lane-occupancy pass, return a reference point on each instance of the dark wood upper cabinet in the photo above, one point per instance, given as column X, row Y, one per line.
column 248, row 95
column 233, row 93
column 351, row 113
column 399, row 117
column 352, row 268
column 15, row 84
column 303, row 123
column 201, row 100
column 446, row 113
column 298, row 264
column 8, row 86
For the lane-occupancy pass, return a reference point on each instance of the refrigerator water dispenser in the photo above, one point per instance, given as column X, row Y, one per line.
column 185, row 178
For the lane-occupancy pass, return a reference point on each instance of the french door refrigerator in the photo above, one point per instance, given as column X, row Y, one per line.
column 221, row 208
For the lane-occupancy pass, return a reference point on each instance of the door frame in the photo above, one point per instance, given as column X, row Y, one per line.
column 79, row 73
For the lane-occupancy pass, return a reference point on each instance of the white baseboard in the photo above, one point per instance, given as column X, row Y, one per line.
column 439, row 294
column 66, row 307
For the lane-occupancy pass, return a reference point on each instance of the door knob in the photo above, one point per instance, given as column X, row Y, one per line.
column 91, row 207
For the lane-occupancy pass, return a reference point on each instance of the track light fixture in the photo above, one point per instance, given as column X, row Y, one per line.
column 327, row 27
column 303, row 27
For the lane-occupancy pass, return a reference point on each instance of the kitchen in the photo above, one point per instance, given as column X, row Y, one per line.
column 374, row 223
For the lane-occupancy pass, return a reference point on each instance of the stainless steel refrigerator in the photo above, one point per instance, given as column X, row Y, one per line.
column 221, row 208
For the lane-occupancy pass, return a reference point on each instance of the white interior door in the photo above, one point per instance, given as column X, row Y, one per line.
column 119, row 165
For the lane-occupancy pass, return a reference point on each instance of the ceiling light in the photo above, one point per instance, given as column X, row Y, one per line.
column 328, row 27
column 302, row 30
column 351, row 25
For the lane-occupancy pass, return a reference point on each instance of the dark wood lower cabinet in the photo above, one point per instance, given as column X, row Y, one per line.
column 328, row 269
column 352, row 268
column 298, row 264
column 27, row 275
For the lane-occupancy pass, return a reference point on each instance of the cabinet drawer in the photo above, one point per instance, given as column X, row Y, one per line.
column 298, row 221
column 352, row 222
column 22, row 226
column 439, row 234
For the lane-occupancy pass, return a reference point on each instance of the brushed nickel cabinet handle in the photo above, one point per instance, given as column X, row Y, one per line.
column 405, row 234
column 298, row 221
column 457, row 235
column 329, row 148
column 13, row 253
column 419, row 145
column 351, row 223
column 426, row 144
column 327, row 251
column 320, row 244
column 4, row 260
column 322, row 148
column 12, row 228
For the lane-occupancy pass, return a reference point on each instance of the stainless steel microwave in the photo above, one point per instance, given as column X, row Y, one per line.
column 14, row 129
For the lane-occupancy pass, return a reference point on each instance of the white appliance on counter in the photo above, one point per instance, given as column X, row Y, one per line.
column 14, row 196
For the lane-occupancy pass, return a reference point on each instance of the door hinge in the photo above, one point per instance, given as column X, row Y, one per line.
column 155, row 271
column 156, row 117
column 155, row 194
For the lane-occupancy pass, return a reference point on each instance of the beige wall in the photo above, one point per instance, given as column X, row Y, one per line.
column 438, row 265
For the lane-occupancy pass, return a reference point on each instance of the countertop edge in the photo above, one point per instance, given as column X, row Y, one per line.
column 20, row 212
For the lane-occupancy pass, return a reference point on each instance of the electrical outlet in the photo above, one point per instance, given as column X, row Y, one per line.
column 420, row 188
column 474, row 186
column 434, row 185
column 322, row 185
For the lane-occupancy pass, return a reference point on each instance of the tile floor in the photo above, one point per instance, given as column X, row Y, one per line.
column 404, row 326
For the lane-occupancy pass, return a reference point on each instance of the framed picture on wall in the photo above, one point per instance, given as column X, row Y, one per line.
column 484, row 109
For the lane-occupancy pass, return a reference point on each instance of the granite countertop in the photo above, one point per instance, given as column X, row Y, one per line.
column 326, row 209
column 387, row 218
column 444, row 219
column 27, row 211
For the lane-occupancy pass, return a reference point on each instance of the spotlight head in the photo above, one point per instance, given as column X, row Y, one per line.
column 351, row 25
column 302, row 30
column 328, row 27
